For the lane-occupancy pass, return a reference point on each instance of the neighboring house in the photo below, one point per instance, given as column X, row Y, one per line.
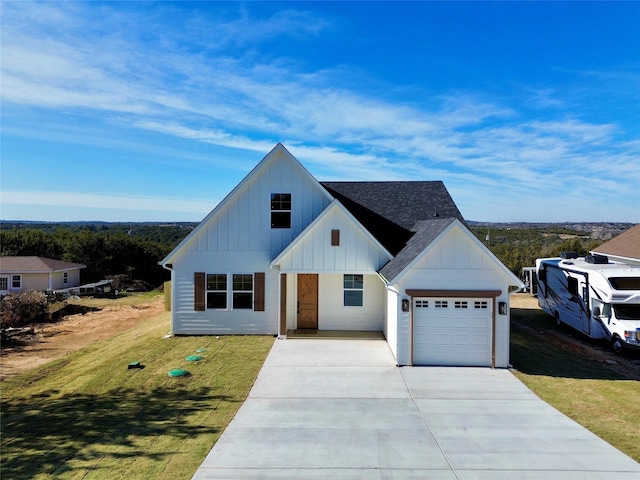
column 285, row 252
column 624, row 248
column 21, row 274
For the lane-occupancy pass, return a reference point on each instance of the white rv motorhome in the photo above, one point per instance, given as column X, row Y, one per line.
column 593, row 295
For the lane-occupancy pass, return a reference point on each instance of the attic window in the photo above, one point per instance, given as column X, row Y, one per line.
column 280, row 210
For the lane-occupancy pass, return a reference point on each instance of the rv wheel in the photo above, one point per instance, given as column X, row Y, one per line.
column 616, row 344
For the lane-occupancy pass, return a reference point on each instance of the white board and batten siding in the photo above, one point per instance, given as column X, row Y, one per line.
column 243, row 221
column 188, row 321
column 314, row 252
column 355, row 252
column 457, row 262
column 236, row 237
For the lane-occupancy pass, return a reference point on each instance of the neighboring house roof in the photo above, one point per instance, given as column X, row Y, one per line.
column 389, row 210
column 626, row 245
column 426, row 232
column 34, row 264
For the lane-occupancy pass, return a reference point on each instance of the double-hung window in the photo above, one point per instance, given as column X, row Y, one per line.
column 16, row 282
column 280, row 210
column 229, row 291
column 65, row 278
column 242, row 290
column 217, row 290
column 4, row 283
column 353, row 290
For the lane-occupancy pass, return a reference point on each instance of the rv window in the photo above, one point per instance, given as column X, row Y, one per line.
column 625, row 283
column 627, row 312
column 542, row 275
column 604, row 308
column 572, row 286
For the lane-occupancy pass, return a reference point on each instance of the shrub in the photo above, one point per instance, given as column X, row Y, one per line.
column 23, row 309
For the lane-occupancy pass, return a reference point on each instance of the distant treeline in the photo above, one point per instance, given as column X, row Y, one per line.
column 165, row 233
column 519, row 247
column 133, row 250
column 130, row 252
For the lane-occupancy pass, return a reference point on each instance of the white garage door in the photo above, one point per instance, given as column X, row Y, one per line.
column 452, row 331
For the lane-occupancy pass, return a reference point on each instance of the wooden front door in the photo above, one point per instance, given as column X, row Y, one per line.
column 307, row 301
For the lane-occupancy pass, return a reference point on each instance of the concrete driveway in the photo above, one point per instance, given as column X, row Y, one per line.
column 341, row 409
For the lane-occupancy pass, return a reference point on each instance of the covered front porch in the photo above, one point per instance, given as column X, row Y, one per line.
column 334, row 334
column 323, row 304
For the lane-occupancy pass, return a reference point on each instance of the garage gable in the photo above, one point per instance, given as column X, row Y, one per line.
column 441, row 246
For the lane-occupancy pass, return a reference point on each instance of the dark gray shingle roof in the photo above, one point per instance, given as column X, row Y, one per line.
column 389, row 210
column 426, row 232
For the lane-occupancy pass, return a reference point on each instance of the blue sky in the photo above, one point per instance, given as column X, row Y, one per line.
column 136, row 111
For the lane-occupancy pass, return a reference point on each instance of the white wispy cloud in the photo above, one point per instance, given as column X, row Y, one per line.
column 94, row 200
column 209, row 82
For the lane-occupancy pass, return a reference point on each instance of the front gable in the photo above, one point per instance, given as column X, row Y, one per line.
column 242, row 221
column 334, row 242
column 457, row 260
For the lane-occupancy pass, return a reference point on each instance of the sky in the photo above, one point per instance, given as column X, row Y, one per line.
column 154, row 111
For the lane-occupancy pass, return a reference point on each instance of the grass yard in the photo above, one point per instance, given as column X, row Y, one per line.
column 593, row 395
column 88, row 416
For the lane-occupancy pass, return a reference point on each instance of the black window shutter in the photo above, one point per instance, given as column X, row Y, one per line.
column 258, row 292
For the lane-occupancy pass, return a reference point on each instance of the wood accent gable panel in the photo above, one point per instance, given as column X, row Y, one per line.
column 258, row 292
column 335, row 238
column 200, row 294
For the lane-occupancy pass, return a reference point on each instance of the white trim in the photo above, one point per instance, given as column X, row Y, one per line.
column 327, row 211
column 279, row 148
column 458, row 224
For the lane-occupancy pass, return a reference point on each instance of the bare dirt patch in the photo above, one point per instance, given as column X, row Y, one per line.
column 73, row 332
column 527, row 315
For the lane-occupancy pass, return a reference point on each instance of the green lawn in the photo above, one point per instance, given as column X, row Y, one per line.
column 88, row 416
column 593, row 395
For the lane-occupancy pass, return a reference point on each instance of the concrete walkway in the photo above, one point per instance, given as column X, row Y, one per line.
column 341, row 409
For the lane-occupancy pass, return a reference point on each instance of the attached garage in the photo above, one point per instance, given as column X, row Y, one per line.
column 452, row 331
column 453, row 328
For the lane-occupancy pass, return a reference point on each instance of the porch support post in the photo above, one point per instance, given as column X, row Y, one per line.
column 283, row 304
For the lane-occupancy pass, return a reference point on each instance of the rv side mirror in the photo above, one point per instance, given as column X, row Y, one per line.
column 597, row 312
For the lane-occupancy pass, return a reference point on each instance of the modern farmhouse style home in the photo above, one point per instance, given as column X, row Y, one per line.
column 283, row 252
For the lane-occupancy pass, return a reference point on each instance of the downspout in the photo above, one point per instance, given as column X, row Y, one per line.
column 169, row 266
